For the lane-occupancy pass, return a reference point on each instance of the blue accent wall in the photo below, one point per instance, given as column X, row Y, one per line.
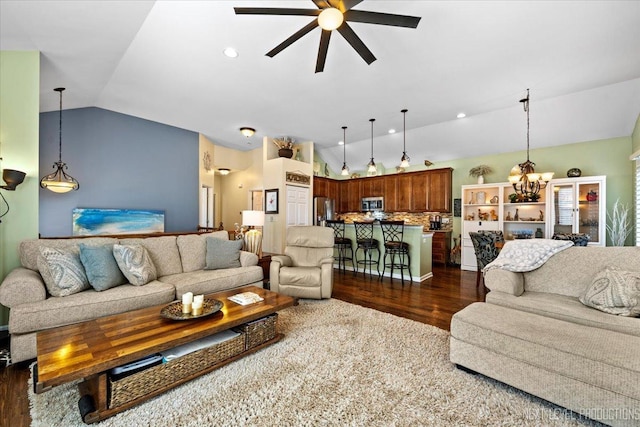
column 120, row 162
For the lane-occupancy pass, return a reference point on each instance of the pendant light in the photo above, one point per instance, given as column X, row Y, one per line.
column 371, row 167
column 404, row 161
column 526, row 182
column 345, row 168
column 59, row 181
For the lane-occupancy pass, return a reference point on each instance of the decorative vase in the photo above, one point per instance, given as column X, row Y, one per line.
column 285, row 152
column 481, row 198
column 481, row 179
column 574, row 173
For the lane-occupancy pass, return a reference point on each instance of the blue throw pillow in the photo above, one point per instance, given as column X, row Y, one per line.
column 222, row 253
column 101, row 267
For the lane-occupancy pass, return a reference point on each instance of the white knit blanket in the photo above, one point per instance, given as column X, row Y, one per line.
column 527, row 254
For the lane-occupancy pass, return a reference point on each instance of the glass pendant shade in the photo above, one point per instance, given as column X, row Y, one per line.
column 371, row 166
column 345, row 168
column 404, row 160
column 59, row 181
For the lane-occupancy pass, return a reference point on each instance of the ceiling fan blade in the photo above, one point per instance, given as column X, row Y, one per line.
column 275, row 11
column 382, row 18
column 322, row 4
column 350, row 36
column 298, row 34
column 322, row 51
column 345, row 5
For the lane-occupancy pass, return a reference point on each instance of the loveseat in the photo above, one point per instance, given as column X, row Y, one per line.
column 534, row 333
column 179, row 262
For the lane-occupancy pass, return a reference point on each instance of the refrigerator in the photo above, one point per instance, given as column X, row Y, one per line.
column 323, row 210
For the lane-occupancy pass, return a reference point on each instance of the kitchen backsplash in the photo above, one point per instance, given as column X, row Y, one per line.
column 410, row 218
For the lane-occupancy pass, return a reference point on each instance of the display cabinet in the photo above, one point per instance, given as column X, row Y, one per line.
column 524, row 219
column 481, row 210
column 578, row 205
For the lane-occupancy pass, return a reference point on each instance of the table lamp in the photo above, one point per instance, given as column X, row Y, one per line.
column 253, row 237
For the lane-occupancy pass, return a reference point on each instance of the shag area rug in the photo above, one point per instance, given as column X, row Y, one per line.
column 339, row 364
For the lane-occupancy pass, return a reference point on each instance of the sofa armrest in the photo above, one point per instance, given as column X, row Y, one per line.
column 327, row 260
column 21, row 286
column 248, row 259
column 504, row 281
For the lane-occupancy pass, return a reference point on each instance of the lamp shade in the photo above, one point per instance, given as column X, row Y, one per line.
column 13, row 178
column 330, row 19
column 253, row 218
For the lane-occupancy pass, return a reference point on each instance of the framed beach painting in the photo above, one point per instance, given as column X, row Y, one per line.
column 271, row 201
column 96, row 222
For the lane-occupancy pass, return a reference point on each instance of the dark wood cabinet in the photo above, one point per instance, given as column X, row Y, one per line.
column 352, row 195
column 441, row 247
column 390, row 193
column 320, row 186
column 403, row 194
column 419, row 186
column 439, row 195
column 372, row 187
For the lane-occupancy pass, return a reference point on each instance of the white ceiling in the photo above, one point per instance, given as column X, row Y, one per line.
column 163, row 61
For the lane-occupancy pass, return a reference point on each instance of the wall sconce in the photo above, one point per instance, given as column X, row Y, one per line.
column 13, row 178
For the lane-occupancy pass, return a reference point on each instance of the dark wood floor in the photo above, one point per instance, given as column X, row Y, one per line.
column 433, row 301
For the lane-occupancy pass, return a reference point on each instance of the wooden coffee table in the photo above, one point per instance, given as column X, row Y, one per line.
column 88, row 350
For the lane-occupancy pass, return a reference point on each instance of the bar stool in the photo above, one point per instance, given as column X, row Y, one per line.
column 395, row 248
column 342, row 244
column 366, row 243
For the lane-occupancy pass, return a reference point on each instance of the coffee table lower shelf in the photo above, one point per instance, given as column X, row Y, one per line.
column 94, row 402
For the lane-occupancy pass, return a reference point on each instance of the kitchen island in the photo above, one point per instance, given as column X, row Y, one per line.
column 419, row 241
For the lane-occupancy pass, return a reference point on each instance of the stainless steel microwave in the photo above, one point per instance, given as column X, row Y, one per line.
column 372, row 204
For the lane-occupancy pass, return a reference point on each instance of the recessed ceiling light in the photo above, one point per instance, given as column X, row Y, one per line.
column 230, row 52
column 391, row 131
column 224, row 171
column 461, row 115
column 340, row 142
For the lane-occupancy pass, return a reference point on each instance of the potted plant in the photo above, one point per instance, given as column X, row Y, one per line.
column 285, row 146
column 479, row 172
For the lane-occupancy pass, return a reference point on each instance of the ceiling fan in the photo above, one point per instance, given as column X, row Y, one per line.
column 333, row 15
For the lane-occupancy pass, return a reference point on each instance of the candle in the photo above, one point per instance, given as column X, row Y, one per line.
column 197, row 308
column 187, row 300
column 198, row 298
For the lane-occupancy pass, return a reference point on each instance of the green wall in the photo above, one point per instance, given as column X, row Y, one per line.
column 19, row 115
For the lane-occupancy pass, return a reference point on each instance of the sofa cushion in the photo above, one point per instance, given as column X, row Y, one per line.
column 30, row 249
column 614, row 291
column 163, row 252
column 62, row 271
column 209, row 281
column 605, row 359
column 101, row 267
column 566, row 308
column 135, row 263
column 222, row 254
column 87, row 305
column 193, row 249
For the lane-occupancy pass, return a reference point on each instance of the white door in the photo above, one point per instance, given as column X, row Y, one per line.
column 297, row 205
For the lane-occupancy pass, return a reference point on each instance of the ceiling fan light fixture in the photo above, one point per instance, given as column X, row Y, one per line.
column 330, row 19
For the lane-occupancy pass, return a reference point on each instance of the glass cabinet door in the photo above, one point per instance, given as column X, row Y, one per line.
column 578, row 207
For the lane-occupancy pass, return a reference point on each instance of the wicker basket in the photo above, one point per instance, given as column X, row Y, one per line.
column 142, row 383
column 259, row 331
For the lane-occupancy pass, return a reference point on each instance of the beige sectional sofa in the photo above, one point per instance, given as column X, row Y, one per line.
column 533, row 333
column 179, row 261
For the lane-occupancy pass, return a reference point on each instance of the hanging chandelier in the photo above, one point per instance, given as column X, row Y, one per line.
column 59, row 181
column 404, row 161
column 526, row 182
column 371, row 167
column 345, row 168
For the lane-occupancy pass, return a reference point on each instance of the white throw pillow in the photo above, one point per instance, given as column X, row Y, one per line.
column 135, row 263
column 615, row 292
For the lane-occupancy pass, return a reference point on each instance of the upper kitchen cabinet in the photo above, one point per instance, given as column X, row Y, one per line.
column 390, row 193
column 321, row 186
column 439, row 196
column 372, row 187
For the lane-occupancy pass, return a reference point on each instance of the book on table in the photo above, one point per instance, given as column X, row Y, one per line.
column 246, row 298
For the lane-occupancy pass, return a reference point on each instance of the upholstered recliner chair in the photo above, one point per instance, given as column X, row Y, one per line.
column 306, row 268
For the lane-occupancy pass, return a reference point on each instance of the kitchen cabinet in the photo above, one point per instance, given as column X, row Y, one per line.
column 419, row 187
column 352, row 195
column 404, row 193
column 321, row 186
column 390, row 193
column 441, row 247
column 372, row 187
column 439, row 185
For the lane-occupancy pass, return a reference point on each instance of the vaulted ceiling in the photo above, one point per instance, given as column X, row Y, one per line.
column 163, row 61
